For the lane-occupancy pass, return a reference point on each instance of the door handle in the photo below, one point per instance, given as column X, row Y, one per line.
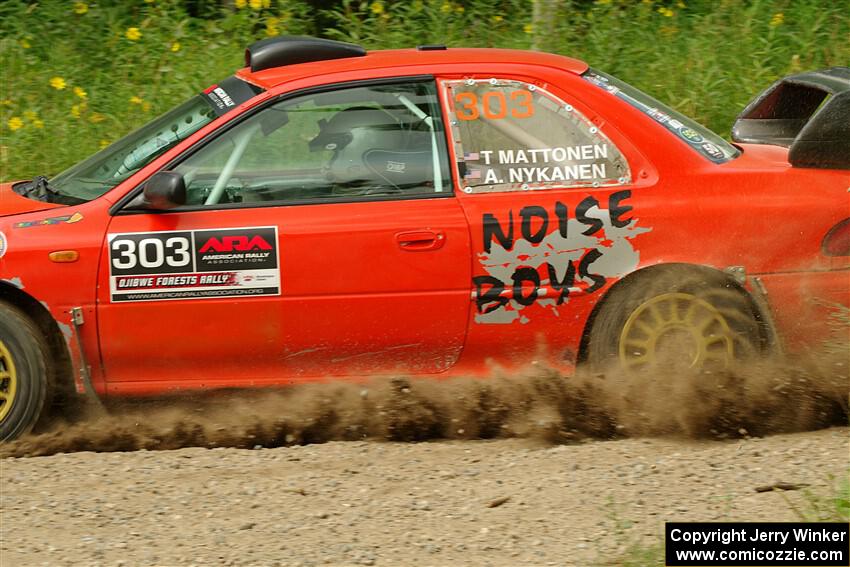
column 420, row 240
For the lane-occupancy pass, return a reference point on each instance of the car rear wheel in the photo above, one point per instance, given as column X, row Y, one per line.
column 677, row 318
column 23, row 373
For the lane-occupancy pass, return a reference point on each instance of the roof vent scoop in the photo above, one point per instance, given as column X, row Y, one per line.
column 293, row 49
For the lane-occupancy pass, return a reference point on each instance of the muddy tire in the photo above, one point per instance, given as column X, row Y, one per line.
column 687, row 318
column 24, row 364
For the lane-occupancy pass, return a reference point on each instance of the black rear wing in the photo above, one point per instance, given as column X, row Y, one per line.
column 808, row 113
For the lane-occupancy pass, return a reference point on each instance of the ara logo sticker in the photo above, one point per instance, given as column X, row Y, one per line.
column 194, row 264
column 65, row 219
column 239, row 243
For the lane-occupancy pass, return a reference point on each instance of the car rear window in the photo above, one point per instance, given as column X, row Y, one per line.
column 697, row 137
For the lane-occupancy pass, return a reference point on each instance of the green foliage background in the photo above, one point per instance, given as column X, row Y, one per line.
column 78, row 75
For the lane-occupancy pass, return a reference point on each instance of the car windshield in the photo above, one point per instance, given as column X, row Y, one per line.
column 695, row 135
column 104, row 170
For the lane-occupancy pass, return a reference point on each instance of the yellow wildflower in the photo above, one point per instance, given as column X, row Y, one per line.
column 146, row 106
column 377, row 8
column 267, row 4
column 459, row 9
column 133, row 34
column 58, row 83
column 446, row 8
column 81, row 8
column 271, row 27
column 680, row 5
column 76, row 110
column 528, row 28
column 496, row 19
column 80, row 93
column 15, row 123
column 255, row 4
column 96, row 117
column 103, row 143
column 240, row 3
column 38, row 123
column 25, row 43
column 136, row 100
column 175, row 47
column 30, row 115
column 666, row 12
column 777, row 20
column 795, row 64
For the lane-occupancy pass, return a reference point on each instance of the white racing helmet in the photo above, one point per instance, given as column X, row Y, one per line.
column 372, row 149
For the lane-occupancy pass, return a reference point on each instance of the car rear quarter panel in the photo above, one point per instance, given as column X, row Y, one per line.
column 754, row 211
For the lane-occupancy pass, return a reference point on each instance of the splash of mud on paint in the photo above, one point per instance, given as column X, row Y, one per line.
column 763, row 397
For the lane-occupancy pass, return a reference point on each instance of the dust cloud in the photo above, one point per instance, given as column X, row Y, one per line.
column 761, row 397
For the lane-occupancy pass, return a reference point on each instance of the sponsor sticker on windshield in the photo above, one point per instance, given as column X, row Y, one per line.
column 228, row 94
column 194, row 264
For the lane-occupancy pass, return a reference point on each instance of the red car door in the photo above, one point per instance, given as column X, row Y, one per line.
column 320, row 237
column 548, row 194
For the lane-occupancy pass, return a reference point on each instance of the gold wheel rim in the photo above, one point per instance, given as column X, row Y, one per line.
column 692, row 320
column 8, row 381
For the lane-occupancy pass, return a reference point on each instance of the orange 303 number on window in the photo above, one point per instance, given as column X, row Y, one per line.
column 493, row 105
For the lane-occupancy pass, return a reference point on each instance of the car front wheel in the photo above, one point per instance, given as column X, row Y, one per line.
column 23, row 373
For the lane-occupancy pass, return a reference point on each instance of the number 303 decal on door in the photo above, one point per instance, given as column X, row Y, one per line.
column 193, row 264
column 494, row 105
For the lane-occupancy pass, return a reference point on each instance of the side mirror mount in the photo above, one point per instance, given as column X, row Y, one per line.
column 164, row 190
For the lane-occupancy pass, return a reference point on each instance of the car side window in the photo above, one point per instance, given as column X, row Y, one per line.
column 357, row 142
column 511, row 136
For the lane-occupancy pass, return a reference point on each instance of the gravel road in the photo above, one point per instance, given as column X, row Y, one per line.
column 507, row 502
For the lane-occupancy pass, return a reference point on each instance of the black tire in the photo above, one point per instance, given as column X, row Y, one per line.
column 674, row 300
column 24, row 366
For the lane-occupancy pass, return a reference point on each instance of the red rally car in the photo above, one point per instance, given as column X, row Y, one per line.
column 332, row 213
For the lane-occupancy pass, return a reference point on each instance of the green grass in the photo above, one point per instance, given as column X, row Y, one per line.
column 831, row 507
column 135, row 59
column 643, row 556
column 834, row 507
column 636, row 553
